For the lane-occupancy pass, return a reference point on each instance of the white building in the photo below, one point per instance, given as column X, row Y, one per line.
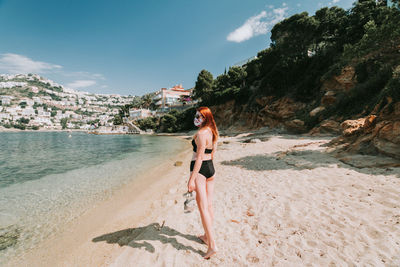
column 140, row 113
column 171, row 97
column 28, row 112
column 28, row 101
column 5, row 99
column 37, row 100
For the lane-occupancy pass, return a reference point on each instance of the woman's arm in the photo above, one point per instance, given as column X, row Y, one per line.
column 201, row 147
column 214, row 150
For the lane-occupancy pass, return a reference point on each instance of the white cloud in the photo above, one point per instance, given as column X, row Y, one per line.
column 333, row 2
column 18, row 64
column 81, row 84
column 257, row 25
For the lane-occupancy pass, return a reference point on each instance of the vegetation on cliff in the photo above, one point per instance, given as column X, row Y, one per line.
column 307, row 51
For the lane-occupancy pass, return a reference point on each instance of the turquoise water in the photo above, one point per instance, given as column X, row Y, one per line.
column 49, row 178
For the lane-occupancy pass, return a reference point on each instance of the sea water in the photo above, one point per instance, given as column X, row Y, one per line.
column 50, row 178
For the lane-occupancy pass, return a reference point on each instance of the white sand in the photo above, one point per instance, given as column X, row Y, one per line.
column 275, row 205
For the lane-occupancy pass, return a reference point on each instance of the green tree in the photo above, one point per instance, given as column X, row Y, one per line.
column 117, row 119
column 23, row 120
column 203, row 87
column 294, row 36
column 147, row 100
column 63, row 123
column 168, row 123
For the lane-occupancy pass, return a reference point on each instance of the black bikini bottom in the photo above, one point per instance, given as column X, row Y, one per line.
column 206, row 169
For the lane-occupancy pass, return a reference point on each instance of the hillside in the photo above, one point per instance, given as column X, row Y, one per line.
column 31, row 101
column 321, row 74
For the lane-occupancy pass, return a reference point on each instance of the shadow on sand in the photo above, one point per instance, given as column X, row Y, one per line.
column 304, row 159
column 138, row 237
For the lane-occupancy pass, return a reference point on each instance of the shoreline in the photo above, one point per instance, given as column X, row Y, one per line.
column 134, row 193
column 283, row 200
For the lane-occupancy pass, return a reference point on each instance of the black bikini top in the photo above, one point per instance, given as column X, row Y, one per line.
column 207, row 151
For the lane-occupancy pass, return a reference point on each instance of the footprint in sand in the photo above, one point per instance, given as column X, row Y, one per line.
column 312, row 244
column 373, row 233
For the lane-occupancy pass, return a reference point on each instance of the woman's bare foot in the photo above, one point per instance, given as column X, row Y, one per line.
column 210, row 252
column 203, row 238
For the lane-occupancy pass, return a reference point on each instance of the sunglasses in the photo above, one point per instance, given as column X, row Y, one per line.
column 198, row 116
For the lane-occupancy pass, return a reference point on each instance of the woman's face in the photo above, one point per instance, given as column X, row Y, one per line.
column 198, row 119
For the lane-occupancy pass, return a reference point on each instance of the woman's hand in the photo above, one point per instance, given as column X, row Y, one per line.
column 191, row 185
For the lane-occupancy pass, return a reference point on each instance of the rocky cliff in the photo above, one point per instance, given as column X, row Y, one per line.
column 376, row 133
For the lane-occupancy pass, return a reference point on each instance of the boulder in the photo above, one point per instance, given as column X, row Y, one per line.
column 296, row 126
column 326, row 127
column 315, row 111
column 390, row 132
column 387, row 148
column 352, row 127
column 327, row 100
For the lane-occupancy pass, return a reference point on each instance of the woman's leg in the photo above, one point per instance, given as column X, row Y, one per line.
column 210, row 190
column 201, row 197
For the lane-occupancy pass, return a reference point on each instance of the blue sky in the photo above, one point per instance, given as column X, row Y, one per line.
column 137, row 47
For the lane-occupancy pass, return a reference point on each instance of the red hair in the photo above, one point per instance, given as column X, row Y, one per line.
column 209, row 122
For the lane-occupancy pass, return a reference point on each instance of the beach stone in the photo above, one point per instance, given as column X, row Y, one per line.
column 328, row 99
column 256, row 140
column 296, row 126
column 326, row 127
column 9, row 236
column 315, row 111
column 352, row 127
column 178, row 163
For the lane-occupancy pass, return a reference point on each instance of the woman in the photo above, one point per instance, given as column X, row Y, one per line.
column 202, row 173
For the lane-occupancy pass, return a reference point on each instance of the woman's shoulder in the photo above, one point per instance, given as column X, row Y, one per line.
column 203, row 132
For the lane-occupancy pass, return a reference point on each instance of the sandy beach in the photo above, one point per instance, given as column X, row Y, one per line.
column 281, row 200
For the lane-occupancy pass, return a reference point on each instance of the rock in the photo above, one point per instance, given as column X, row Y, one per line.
column 9, row 236
column 369, row 122
column 330, row 126
column 296, row 126
column 225, row 142
column 262, row 101
column 351, row 127
column 178, row 163
column 387, row 148
column 255, row 140
column 330, row 93
column 343, row 82
column 391, row 132
column 282, row 109
column 315, row 111
column 327, row 100
column 326, row 127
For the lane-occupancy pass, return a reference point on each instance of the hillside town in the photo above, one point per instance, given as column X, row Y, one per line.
column 29, row 101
